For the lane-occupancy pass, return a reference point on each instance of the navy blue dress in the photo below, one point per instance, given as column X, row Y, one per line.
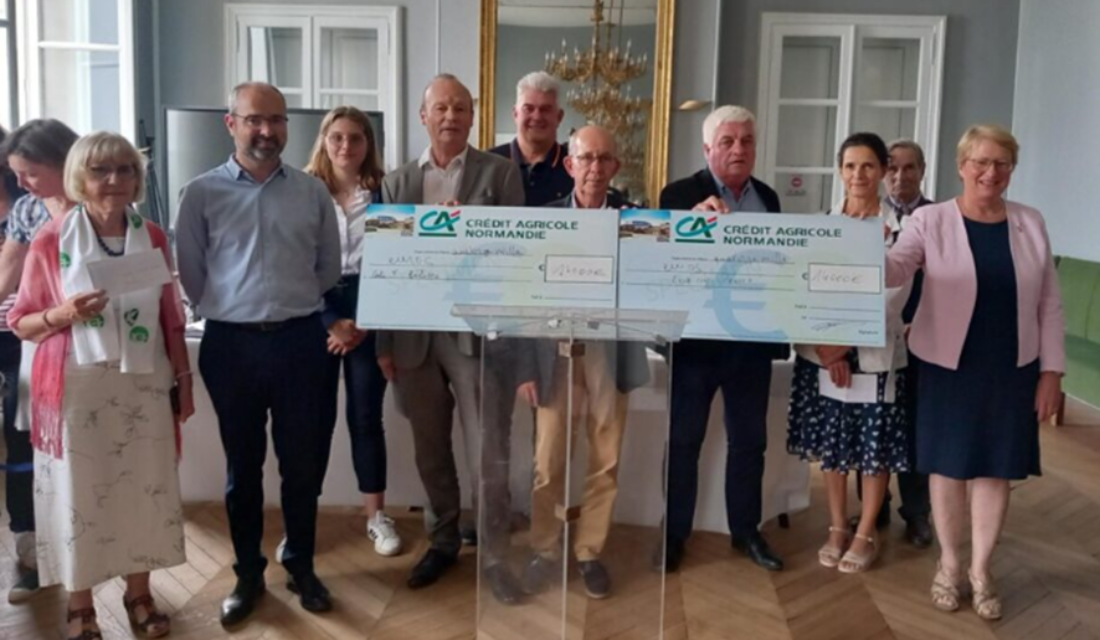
column 979, row 421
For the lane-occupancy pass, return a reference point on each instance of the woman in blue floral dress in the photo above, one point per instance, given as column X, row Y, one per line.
column 853, row 434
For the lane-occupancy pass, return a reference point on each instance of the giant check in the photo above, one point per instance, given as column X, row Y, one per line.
column 758, row 277
column 420, row 261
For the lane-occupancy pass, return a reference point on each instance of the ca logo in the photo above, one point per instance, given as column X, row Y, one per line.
column 439, row 224
column 698, row 229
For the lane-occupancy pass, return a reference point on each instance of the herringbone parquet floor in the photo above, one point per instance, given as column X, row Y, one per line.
column 1048, row 569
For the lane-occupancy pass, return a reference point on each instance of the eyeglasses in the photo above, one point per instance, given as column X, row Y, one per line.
column 586, row 159
column 983, row 164
column 257, row 122
column 353, row 140
column 103, row 172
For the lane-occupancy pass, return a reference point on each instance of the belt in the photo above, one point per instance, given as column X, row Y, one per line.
column 262, row 327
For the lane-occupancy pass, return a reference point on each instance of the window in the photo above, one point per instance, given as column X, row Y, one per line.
column 78, row 63
column 823, row 77
column 322, row 57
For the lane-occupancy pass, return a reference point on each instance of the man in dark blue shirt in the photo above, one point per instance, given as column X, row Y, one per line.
column 535, row 148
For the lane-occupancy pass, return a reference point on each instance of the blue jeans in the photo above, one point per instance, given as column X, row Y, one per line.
column 20, row 481
column 250, row 373
column 365, row 388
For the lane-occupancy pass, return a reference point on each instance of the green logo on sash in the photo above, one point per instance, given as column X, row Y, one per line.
column 139, row 334
column 135, row 221
column 96, row 322
column 65, row 260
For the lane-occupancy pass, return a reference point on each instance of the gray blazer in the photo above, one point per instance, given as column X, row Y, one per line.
column 487, row 180
column 627, row 359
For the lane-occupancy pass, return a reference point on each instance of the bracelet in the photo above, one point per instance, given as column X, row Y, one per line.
column 182, row 374
column 46, row 319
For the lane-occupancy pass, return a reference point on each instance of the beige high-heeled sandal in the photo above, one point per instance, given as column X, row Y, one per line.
column 828, row 555
column 946, row 592
column 987, row 602
column 858, row 563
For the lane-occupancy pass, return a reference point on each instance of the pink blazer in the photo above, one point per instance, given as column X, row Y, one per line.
column 934, row 238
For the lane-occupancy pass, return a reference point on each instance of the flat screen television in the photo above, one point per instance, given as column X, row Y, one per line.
column 196, row 140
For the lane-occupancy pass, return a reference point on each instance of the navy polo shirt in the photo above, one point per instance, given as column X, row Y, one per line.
column 545, row 181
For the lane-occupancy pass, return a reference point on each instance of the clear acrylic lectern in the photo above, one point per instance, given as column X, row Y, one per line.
column 574, row 429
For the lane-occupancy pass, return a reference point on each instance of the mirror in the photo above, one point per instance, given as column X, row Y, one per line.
column 627, row 90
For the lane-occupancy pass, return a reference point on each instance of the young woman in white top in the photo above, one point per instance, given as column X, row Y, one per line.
column 345, row 157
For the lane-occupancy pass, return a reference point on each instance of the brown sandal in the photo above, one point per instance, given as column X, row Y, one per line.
column 87, row 617
column 155, row 624
column 986, row 601
column 947, row 592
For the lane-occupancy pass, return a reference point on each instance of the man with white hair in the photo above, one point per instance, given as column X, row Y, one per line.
column 535, row 148
column 742, row 370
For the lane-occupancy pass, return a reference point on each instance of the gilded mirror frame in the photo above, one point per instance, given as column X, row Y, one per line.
column 656, row 158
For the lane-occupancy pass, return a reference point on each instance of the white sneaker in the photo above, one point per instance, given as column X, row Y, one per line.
column 280, row 551
column 380, row 529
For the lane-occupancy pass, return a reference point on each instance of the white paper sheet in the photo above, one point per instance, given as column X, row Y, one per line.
column 129, row 273
column 864, row 388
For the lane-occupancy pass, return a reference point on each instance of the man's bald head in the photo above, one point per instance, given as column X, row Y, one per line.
column 593, row 161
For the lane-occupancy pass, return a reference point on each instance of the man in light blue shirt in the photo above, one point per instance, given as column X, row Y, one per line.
column 258, row 247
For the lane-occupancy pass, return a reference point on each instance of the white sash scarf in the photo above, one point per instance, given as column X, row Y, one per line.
column 105, row 338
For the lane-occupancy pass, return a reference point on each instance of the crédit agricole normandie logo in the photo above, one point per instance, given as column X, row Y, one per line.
column 696, row 228
column 438, row 223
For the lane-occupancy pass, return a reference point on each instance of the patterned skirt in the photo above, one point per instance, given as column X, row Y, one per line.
column 871, row 438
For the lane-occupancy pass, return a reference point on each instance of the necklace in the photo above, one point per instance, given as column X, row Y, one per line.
column 108, row 250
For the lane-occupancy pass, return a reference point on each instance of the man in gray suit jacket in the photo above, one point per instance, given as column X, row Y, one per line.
column 434, row 371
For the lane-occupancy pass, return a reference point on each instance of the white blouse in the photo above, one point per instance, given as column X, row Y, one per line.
column 352, row 224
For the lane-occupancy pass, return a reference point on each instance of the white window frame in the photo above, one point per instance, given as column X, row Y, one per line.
column 930, row 31
column 311, row 20
column 31, row 46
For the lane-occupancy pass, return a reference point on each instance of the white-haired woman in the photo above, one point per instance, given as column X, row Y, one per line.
column 989, row 334
column 111, row 384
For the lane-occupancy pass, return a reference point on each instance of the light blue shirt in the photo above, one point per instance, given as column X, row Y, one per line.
column 257, row 252
column 748, row 202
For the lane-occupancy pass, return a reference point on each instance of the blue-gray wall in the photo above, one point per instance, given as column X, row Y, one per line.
column 1057, row 103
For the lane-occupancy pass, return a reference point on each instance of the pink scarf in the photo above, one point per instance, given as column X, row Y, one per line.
column 40, row 289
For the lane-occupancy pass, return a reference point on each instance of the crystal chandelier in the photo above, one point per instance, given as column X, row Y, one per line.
column 601, row 72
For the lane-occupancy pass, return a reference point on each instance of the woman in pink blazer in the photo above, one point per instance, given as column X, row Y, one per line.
column 989, row 337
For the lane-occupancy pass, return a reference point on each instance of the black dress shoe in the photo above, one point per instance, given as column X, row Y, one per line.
column 668, row 556
column 313, row 595
column 430, row 568
column 240, row 604
column 756, row 548
column 918, row 532
column 503, row 584
column 597, row 582
column 468, row 533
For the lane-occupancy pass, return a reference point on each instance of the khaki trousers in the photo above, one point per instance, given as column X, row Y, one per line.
column 594, row 389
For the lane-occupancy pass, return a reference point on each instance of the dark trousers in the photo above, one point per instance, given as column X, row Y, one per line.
column 20, row 481
column 498, row 398
column 250, row 374
column 744, row 379
column 365, row 388
column 916, row 501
